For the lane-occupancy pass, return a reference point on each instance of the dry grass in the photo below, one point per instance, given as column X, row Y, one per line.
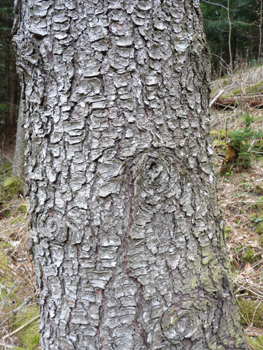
column 241, row 205
column 17, row 282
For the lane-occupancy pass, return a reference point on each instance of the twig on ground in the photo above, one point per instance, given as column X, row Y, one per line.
column 13, row 312
column 216, row 98
column 20, row 328
column 7, row 346
column 254, row 313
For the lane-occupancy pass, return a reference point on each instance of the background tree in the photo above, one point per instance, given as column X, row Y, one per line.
column 233, row 28
column 9, row 89
column 9, row 86
column 126, row 234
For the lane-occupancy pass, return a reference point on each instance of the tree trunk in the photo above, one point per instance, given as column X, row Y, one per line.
column 229, row 38
column 13, row 94
column 19, row 156
column 7, row 81
column 260, row 31
column 127, row 236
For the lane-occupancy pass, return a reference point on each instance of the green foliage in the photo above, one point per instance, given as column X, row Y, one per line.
column 257, row 219
column 7, row 60
column 247, row 185
column 242, row 139
column 245, row 19
column 256, row 62
column 259, row 148
column 3, row 111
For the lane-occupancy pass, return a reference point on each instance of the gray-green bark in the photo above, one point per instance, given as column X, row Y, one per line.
column 127, row 237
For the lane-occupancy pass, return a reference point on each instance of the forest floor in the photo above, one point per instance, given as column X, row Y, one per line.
column 240, row 195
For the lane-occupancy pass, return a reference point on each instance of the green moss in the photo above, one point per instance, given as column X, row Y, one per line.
column 249, row 255
column 236, row 92
column 259, row 189
column 255, row 88
column 194, row 282
column 259, row 145
column 28, row 336
column 207, row 256
column 5, row 170
column 259, row 229
column 7, row 213
column 218, row 134
column 247, row 308
column 250, row 89
column 220, row 144
column 23, row 208
column 207, row 283
column 261, row 241
column 228, row 231
column 256, row 342
column 11, row 186
column 9, row 298
column 3, row 258
column 257, row 205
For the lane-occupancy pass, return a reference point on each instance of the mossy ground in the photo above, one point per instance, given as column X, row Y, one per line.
column 11, row 186
column 256, row 342
column 218, row 134
column 28, row 336
column 220, row 145
column 251, row 312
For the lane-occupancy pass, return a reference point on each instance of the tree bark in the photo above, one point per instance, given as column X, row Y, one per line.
column 260, row 31
column 229, row 38
column 19, row 156
column 13, row 94
column 127, row 236
column 7, row 80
